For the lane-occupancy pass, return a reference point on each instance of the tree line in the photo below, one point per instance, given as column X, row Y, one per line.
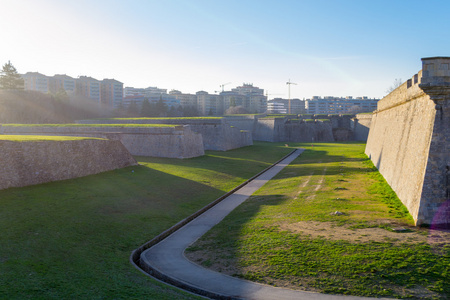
column 22, row 106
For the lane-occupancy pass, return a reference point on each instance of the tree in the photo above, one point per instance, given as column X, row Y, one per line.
column 133, row 109
column 9, row 78
column 236, row 110
column 397, row 82
column 161, row 107
column 147, row 109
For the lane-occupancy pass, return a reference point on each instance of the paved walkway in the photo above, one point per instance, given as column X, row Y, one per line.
column 167, row 257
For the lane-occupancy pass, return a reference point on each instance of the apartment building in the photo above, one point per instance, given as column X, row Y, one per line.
column 186, row 100
column 339, row 105
column 297, row 105
column 111, row 92
column 35, row 81
column 209, row 104
column 89, row 87
column 62, row 81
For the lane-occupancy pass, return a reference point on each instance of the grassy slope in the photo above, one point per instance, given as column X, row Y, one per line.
column 39, row 138
column 253, row 241
column 88, row 125
column 72, row 239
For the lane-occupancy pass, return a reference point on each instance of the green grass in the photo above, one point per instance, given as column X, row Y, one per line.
column 89, row 125
column 165, row 118
column 258, row 242
column 39, row 138
column 72, row 239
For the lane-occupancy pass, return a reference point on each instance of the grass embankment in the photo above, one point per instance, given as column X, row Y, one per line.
column 328, row 223
column 40, row 138
column 72, row 239
column 164, row 118
column 89, row 125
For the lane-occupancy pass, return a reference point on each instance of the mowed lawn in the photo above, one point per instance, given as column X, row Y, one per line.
column 329, row 223
column 72, row 239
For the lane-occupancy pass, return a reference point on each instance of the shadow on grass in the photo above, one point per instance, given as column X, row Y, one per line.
column 72, row 238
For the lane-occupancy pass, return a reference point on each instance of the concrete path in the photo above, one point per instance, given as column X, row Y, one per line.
column 167, row 257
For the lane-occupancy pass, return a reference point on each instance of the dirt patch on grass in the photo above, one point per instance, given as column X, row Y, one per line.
column 398, row 235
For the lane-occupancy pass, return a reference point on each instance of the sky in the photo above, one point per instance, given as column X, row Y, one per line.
column 326, row 47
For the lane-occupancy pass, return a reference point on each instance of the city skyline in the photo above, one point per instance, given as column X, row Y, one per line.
column 326, row 47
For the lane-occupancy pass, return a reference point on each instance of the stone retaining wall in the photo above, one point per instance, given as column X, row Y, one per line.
column 409, row 142
column 172, row 142
column 216, row 133
column 283, row 130
column 361, row 127
column 34, row 162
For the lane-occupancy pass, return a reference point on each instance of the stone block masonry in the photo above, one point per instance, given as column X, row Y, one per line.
column 34, row 162
column 361, row 126
column 409, row 141
column 171, row 141
column 216, row 133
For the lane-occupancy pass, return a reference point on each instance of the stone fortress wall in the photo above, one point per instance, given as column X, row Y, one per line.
column 361, row 127
column 409, row 141
column 216, row 133
column 33, row 162
column 172, row 142
column 297, row 129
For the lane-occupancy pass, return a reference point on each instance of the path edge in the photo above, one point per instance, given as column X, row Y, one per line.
column 135, row 257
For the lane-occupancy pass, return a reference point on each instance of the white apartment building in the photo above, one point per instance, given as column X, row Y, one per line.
column 186, row 100
column 209, row 103
column 146, row 92
column 339, row 105
column 274, row 107
column 297, row 105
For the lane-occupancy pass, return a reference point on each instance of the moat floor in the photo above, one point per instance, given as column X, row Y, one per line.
column 167, row 257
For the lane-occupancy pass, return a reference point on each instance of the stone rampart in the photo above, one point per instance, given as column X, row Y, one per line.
column 409, row 141
column 242, row 122
column 285, row 130
column 361, row 126
column 216, row 133
column 34, row 162
column 172, row 142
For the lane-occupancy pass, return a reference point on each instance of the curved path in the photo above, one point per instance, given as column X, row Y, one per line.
column 166, row 261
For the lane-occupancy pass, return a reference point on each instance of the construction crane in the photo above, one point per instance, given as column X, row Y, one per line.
column 289, row 91
column 222, row 85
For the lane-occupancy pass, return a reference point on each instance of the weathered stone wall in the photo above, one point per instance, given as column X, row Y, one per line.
column 361, row 126
column 242, row 122
column 172, row 142
column 216, row 133
column 409, row 143
column 34, row 162
column 284, row 130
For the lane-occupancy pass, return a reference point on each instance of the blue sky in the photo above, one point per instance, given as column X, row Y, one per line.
column 329, row 48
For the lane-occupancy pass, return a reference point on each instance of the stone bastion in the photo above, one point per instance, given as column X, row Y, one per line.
column 39, row 161
column 304, row 128
column 409, row 142
column 170, row 141
column 216, row 133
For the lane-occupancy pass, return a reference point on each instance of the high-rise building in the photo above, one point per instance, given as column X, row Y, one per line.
column 297, row 105
column 248, row 96
column 186, row 100
column 34, row 81
column 89, row 87
column 112, row 92
column 339, row 105
column 64, row 82
column 209, row 104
